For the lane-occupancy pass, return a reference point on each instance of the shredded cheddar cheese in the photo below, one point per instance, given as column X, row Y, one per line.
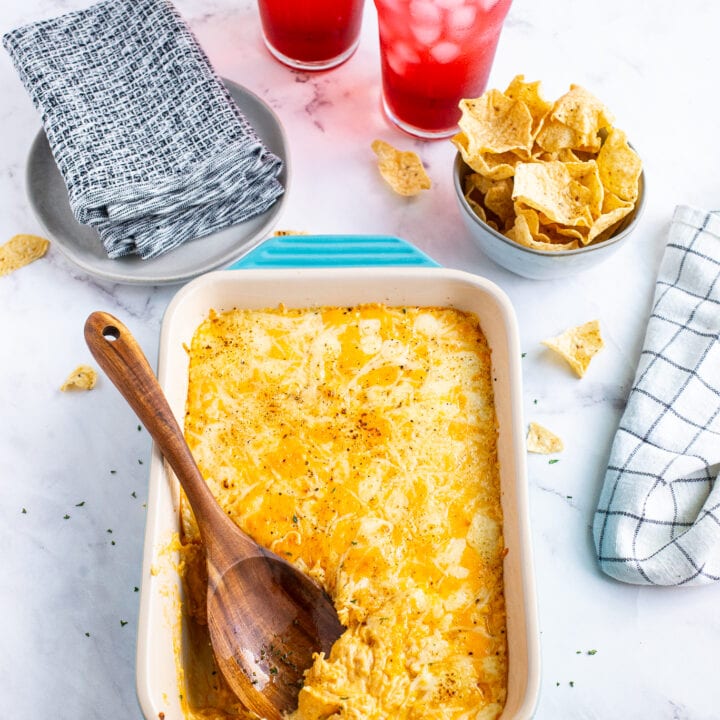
column 360, row 443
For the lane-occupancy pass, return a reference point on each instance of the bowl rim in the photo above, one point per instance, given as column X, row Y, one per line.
column 460, row 168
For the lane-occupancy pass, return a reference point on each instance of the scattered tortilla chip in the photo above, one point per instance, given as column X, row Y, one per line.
column 541, row 440
column 21, row 250
column 82, row 377
column 578, row 345
column 564, row 161
column 403, row 170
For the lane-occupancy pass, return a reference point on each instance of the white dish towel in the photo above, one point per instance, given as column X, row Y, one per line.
column 658, row 517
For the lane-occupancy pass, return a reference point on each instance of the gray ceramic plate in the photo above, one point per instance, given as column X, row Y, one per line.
column 82, row 245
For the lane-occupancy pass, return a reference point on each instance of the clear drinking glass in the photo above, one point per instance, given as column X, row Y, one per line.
column 434, row 53
column 311, row 34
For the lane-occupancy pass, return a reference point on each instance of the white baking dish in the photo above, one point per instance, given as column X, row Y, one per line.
column 158, row 682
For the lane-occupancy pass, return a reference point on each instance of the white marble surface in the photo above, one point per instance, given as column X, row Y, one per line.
column 68, row 604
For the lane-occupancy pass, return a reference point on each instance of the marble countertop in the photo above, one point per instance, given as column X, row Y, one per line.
column 74, row 466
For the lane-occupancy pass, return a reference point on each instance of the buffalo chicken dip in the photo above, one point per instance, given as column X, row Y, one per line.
column 360, row 444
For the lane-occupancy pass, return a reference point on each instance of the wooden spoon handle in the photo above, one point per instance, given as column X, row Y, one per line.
column 119, row 355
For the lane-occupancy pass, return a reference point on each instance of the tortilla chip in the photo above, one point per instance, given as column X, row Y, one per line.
column 585, row 115
column 496, row 123
column 619, row 166
column 578, row 345
column 83, row 377
column 21, row 250
column 541, row 440
column 551, row 189
column 529, row 94
column 495, row 166
column 402, row 170
column 555, row 136
column 521, row 232
column 498, row 200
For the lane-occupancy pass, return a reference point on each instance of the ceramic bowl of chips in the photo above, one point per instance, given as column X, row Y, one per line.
column 545, row 189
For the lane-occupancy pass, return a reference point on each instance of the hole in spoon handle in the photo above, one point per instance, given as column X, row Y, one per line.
column 111, row 333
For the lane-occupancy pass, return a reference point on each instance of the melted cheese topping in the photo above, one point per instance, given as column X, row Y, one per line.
column 360, row 443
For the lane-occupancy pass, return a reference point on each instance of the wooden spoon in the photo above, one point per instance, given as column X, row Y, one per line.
column 266, row 618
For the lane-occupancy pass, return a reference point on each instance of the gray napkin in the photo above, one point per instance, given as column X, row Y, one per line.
column 658, row 517
column 152, row 148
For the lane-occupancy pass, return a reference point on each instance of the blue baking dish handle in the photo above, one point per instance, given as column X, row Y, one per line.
column 333, row 251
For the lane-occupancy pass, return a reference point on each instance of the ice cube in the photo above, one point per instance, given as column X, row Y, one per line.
column 424, row 12
column 399, row 55
column 460, row 20
column 426, row 34
column 395, row 61
column 445, row 52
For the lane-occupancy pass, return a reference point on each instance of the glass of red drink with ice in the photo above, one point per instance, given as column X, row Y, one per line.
column 434, row 53
column 311, row 34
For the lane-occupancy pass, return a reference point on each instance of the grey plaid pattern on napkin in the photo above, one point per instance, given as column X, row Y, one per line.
column 151, row 146
column 658, row 517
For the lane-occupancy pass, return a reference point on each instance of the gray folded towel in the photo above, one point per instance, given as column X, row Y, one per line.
column 151, row 146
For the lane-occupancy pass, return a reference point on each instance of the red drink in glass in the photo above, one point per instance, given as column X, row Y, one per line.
column 311, row 34
column 433, row 54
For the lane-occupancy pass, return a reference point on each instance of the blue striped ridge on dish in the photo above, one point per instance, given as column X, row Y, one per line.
column 295, row 251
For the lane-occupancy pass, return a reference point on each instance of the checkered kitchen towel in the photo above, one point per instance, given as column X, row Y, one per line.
column 658, row 517
column 151, row 146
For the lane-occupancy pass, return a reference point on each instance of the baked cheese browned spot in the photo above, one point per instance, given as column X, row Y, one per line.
column 360, row 443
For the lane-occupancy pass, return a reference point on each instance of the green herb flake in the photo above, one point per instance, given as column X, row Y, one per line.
column 24, row 511
column 123, row 623
column 295, row 519
column 139, row 428
column 133, row 494
column 66, row 516
column 523, row 355
column 571, row 683
column 136, row 589
column 80, row 504
column 592, row 652
column 553, row 461
column 112, row 472
column 87, row 634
